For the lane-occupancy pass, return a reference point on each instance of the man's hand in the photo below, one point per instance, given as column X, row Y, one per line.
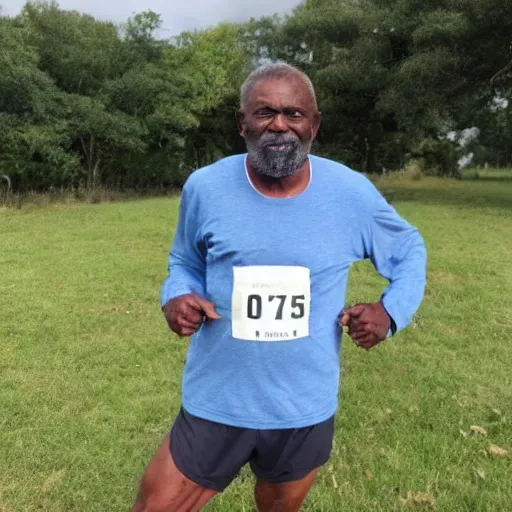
column 368, row 324
column 185, row 314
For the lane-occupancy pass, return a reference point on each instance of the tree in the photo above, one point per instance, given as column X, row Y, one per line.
column 32, row 139
column 88, row 103
column 391, row 74
column 215, row 64
column 78, row 52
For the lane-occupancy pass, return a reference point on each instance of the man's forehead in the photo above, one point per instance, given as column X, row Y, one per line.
column 290, row 89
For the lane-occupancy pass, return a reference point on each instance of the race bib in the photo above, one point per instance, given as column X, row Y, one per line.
column 270, row 303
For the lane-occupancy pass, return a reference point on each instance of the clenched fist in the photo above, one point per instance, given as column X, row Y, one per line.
column 368, row 324
column 185, row 314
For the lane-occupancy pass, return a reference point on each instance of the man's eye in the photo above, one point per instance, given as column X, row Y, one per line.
column 265, row 113
column 293, row 113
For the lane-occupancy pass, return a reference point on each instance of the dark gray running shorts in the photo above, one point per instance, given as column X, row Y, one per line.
column 211, row 454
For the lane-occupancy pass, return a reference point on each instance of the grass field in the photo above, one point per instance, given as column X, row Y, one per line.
column 90, row 374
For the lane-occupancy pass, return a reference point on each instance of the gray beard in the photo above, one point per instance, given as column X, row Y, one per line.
column 277, row 164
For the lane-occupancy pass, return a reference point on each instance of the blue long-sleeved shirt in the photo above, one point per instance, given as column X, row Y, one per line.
column 270, row 377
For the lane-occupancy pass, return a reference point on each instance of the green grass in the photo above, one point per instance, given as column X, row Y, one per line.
column 90, row 375
column 487, row 174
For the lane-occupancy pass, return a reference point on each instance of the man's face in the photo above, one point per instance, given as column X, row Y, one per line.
column 279, row 124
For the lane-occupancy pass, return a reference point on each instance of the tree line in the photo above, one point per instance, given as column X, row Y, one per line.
column 87, row 103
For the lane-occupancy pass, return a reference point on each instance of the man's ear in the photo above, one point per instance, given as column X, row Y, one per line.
column 240, row 122
column 317, row 121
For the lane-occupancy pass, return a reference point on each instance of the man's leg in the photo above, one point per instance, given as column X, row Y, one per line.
column 165, row 489
column 286, row 461
column 285, row 497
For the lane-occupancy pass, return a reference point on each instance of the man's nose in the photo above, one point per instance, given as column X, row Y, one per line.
column 278, row 124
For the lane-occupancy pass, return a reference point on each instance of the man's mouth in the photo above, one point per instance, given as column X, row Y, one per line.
column 278, row 147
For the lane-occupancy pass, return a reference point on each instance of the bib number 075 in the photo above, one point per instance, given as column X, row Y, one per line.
column 255, row 304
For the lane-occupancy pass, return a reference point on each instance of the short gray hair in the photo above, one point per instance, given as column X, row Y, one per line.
column 274, row 70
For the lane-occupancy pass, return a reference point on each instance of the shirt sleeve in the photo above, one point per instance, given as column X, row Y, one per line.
column 398, row 252
column 187, row 267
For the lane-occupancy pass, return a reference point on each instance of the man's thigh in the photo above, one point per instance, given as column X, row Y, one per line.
column 286, row 463
column 164, row 488
column 208, row 453
column 289, row 455
column 197, row 460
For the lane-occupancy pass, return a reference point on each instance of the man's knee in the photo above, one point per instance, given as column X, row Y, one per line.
column 284, row 504
column 186, row 501
column 150, row 499
column 145, row 505
column 283, row 497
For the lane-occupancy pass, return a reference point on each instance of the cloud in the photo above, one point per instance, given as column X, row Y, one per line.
column 176, row 16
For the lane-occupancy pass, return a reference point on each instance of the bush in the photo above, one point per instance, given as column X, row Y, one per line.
column 438, row 157
column 414, row 169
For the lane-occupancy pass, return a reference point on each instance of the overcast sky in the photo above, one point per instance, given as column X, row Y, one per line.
column 177, row 15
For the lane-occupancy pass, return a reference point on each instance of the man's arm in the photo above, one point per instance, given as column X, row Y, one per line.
column 182, row 292
column 186, row 266
column 398, row 252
